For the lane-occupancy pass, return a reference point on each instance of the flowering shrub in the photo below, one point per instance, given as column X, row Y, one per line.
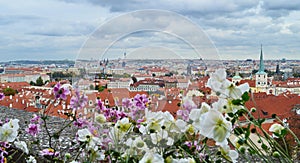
column 133, row 133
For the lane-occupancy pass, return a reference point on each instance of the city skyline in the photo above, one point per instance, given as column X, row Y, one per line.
column 56, row 30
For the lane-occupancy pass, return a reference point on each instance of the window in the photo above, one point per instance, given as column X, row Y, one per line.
column 91, row 103
column 106, row 102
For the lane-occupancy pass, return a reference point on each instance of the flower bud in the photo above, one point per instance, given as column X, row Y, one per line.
column 276, row 154
column 68, row 156
column 253, row 110
column 100, row 118
column 242, row 149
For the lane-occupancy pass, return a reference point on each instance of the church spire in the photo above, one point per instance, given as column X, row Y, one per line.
column 261, row 62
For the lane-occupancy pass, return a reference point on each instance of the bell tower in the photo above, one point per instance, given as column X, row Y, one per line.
column 261, row 76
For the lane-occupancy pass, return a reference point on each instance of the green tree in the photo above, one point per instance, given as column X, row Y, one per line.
column 32, row 83
column 101, row 88
column 9, row 91
column 39, row 81
column 92, row 87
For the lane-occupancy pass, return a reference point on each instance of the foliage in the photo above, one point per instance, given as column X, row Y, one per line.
column 39, row 81
column 125, row 75
column 55, row 75
column 9, row 91
column 296, row 75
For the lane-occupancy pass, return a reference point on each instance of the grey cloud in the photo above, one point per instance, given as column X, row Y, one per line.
column 282, row 5
column 11, row 19
column 189, row 8
column 295, row 28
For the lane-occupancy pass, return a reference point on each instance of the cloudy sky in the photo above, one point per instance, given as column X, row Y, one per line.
column 61, row 29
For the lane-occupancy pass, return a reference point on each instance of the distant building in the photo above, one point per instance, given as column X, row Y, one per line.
column 261, row 76
column 120, row 83
column 149, row 85
column 236, row 79
column 23, row 77
column 189, row 69
column 183, row 83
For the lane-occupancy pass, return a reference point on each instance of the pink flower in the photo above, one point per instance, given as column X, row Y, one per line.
column 77, row 101
column 49, row 152
column 33, row 129
column 2, row 154
column 60, row 92
column 121, row 114
column 184, row 114
column 140, row 101
column 35, row 118
column 80, row 123
column 127, row 103
column 2, row 96
column 100, row 105
column 93, row 130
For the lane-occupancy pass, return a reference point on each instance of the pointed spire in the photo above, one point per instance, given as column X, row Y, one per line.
column 261, row 62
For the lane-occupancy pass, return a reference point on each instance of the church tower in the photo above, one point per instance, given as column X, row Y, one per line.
column 261, row 76
column 124, row 60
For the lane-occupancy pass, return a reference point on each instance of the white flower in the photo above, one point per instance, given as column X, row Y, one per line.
column 236, row 92
column 196, row 114
column 123, row 125
column 74, row 161
column 223, row 87
column 217, row 81
column 229, row 154
column 215, row 126
column 156, row 120
column 276, row 128
column 84, row 135
column 31, row 159
column 167, row 119
column 226, row 106
column 161, row 135
column 9, row 131
column 138, row 143
column 184, row 160
column 120, row 129
column 21, row 145
column 181, row 125
column 98, row 155
column 150, row 157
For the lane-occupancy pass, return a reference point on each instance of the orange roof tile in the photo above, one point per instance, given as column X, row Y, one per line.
column 267, row 105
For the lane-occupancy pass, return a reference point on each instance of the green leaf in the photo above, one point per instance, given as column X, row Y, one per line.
column 230, row 114
column 260, row 121
column 238, row 131
column 247, row 134
column 283, row 132
column 237, row 102
column 245, row 96
column 264, row 146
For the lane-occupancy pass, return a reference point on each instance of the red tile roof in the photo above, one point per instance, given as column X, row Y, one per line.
column 250, row 82
column 14, row 85
column 169, row 105
column 267, row 105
